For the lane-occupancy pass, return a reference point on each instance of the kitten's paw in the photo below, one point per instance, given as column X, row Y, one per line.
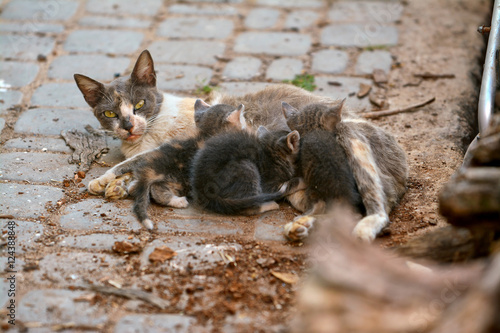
column 148, row 224
column 368, row 228
column 117, row 188
column 265, row 207
column 98, row 185
column 299, row 228
column 178, row 202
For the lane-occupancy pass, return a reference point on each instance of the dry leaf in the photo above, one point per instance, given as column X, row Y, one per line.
column 379, row 76
column 126, row 247
column 161, row 254
column 364, row 89
column 289, row 278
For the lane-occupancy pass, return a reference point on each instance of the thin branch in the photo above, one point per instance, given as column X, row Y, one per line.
column 378, row 114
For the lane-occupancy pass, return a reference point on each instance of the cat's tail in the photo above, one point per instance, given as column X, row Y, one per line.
column 247, row 206
column 141, row 193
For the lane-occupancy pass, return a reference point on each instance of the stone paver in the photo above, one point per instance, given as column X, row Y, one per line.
column 105, row 41
column 9, row 98
column 147, row 7
column 197, row 225
column 30, row 27
column 35, row 167
column 180, row 77
column 59, row 95
column 242, row 88
column 359, row 35
column 26, row 201
column 188, row 52
column 18, row 74
column 292, row 3
column 274, row 43
column 262, row 18
column 2, row 124
column 26, row 234
column 330, row 61
column 97, row 215
column 365, row 11
column 348, row 88
column 25, row 47
column 53, row 121
column 154, row 323
column 55, row 306
column 39, row 143
column 94, row 241
column 113, row 22
column 299, row 19
column 98, row 67
column 40, row 10
column 242, row 68
column 284, row 69
column 370, row 60
column 196, row 27
column 203, row 10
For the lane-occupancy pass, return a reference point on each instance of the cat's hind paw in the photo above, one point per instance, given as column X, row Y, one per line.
column 98, row 185
column 117, row 188
column 299, row 228
column 367, row 229
column 178, row 202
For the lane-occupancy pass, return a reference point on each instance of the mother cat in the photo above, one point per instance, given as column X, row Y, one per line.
column 133, row 109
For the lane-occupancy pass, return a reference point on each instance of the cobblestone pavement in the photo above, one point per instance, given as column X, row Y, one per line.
column 64, row 240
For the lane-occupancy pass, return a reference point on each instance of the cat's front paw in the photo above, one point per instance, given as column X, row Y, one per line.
column 299, row 228
column 98, row 185
column 178, row 202
column 367, row 229
column 117, row 188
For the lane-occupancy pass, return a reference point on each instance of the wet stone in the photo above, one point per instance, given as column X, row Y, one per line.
column 330, row 61
column 370, row 60
column 359, row 35
column 196, row 27
column 39, row 10
column 26, row 201
column 31, row 27
column 98, row 67
column 242, row 68
column 181, row 77
column 147, row 7
column 35, row 167
column 18, row 74
column 9, row 98
column 99, row 215
column 59, row 94
column 25, row 232
column 301, row 19
column 284, row 69
column 347, row 89
column 365, row 11
column 71, row 268
column 262, row 18
column 25, row 47
column 202, row 10
column 53, row 121
column 92, row 242
column 114, row 22
column 188, row 52
column 154, row 323
column 39, row 143
column 55, row 306
column 198, row 225
column 242, row 88
column 274, row 43
column 105, row 41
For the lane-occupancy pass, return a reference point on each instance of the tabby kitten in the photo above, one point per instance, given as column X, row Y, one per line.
column 244, row 173
column 322, row 161
column 167, row 168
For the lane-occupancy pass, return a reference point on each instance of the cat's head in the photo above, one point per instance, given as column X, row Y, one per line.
column 284, row 144
column 211, row 120
column 126, row 105
column 313, row 116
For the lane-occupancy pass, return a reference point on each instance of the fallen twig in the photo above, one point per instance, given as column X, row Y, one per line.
column 378, row 114
column 435, row 76
column 133, row 294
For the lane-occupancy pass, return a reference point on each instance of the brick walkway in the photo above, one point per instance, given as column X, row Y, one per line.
column 238, row 46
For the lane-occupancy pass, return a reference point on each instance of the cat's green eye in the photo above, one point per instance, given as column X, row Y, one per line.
column 110, row 114
column 139, row 105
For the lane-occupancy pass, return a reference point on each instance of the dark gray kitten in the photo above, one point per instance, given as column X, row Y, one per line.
column 322, row 160
column 244, row 173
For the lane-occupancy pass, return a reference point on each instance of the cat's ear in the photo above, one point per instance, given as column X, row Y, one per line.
column 235, row 118
column 288, row 110
column 91, row 89
column 262, row 131
column 200, row 106
column 144, row 70
column 333, row 116
column 293, row 141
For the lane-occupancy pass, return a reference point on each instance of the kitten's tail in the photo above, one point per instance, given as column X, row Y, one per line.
column 140, row 191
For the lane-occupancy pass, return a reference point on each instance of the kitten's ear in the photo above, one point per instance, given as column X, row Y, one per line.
column 293, row 141
column 288, row 110
column 144, row 70
column 199, row 109
column 91, row 89
column 235, row 118
column 333, row 116
column 262, row 131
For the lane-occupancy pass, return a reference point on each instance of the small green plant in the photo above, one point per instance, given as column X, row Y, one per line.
column 204, row 88
column 305, row 81
column 375, row 47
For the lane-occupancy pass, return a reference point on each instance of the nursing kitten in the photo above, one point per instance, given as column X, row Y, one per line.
column 322, row 161
column 376, row 160
column 244, row 173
